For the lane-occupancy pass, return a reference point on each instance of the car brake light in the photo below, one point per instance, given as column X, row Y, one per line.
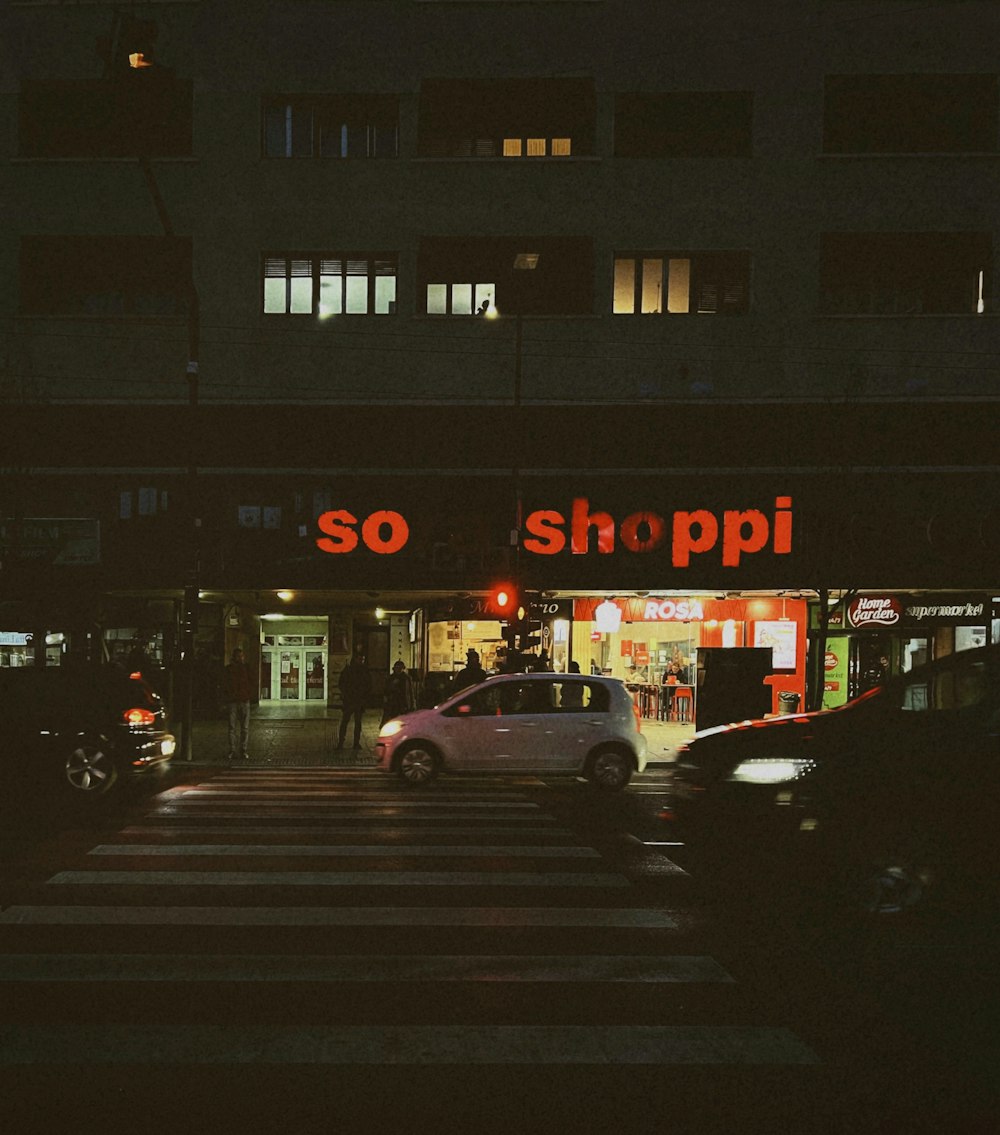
column 638, row 718
column 138, row 717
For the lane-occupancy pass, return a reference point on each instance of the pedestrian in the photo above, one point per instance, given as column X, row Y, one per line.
column 471, row 673
column 398, row 697
column 237, row 691
column 355, row 689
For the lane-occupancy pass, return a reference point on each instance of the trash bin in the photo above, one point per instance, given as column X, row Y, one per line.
column 788, row 701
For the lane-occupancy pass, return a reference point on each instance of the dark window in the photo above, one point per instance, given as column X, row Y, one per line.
column 105, row 276
column 684, row 124
column 144, row 112
column 330, row 283
column 331, row 126
column 905, row 273
column 455, row 274
column 514, row 118
column 681, row 283
column 527, row 697
column 910, row 114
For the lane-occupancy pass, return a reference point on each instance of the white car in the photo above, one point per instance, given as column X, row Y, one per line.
column 521, row 723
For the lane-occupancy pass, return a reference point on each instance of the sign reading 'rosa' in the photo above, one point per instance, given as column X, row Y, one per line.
column 874, row 611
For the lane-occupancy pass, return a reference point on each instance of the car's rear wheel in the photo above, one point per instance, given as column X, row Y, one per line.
column 418, row 763
column 87, row 768
column 609, row 770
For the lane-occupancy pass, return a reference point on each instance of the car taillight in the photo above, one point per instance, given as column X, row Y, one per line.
column 638, row 718
column 138, row 717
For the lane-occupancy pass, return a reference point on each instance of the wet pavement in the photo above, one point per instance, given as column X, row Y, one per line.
column 306, row 737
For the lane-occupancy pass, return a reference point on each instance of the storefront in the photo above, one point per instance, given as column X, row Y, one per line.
column 669, row 650
column 293, row 660
column 876, row 635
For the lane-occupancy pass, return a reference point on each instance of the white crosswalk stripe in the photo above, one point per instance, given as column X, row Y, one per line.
column 138, row 887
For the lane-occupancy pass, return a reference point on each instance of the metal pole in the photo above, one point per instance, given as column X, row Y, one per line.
column 189, row 619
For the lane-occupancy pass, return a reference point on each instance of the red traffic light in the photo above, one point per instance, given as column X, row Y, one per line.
column 504, row 601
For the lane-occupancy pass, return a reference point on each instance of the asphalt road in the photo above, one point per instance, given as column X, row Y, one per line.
column 324, row 950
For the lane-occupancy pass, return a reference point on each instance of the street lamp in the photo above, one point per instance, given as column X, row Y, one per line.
column 133, row 40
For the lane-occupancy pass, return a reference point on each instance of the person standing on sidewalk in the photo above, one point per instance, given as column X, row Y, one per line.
column 237, row 692
column 398, row 697
column 355, row 690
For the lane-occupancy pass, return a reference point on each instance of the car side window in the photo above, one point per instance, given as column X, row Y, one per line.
column 482, row 703
column 581, row 697
column 527, row 697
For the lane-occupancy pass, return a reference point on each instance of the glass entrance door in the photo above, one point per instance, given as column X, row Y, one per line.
column 293, row 674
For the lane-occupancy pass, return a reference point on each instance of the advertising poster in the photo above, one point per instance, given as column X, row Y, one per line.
column 780, row 636
column 835, row 671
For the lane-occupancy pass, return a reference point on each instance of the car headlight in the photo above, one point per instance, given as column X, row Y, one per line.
column 766, row 770
column 391, row 728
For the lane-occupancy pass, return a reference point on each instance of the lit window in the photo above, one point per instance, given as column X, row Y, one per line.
column 459, row 299
column 355, row 284
column 715, row 283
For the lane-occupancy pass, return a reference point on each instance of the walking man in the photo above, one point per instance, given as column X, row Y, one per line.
column 237, row 692
column 355, row 690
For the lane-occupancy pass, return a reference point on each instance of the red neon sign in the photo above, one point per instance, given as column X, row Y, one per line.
column 740, row 532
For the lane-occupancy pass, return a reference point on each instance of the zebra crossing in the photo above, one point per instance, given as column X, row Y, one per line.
column 467, row 902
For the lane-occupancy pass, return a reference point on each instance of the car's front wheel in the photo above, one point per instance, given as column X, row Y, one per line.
column 610, row 770
column 87, row 768
column 418, row 763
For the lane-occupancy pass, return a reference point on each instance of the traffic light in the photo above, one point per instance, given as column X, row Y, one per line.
column 527, row 639
column 504, row 601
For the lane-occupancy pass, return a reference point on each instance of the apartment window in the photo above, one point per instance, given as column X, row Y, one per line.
column 682, row 283
column 456, row 274
column 910, row 114
column 144, row 112
column 105, row 276
column 465, row 298
column 684, row 124
column 333, row 283
column 506, row 118
column 331, row 126
column 905, row 273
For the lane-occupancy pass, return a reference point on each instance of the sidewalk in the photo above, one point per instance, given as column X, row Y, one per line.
column 305, row 736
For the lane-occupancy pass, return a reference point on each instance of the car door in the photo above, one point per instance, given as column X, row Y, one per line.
column 524, row 728
column 470, row 728
column 573, row 725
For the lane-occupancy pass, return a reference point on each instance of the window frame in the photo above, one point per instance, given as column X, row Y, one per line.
column 902, row 106
column 880, row 293
column 151, row 276
column 316, row 275
column 703, row 264
column 473, row 118
column 353, row 113
column 642, row 128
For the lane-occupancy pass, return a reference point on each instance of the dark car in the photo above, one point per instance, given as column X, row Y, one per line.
column 887, row 801
column 75, row 733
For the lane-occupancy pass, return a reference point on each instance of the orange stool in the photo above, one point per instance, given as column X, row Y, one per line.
column 682, row 709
